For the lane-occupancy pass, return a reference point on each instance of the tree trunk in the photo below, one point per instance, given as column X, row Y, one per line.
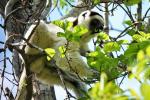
column 18, row 19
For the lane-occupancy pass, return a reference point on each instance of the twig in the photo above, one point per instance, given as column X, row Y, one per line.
column 6, row 72
column 54, row 7
column 59, row 11
column 126, row 73
column 1, row 26
column 12, row 69
column 2, row 75
column 10, row 81
column 123, row 78
column 111, row 10
column 128, row 13
column 139, row 15
column 1, row 42
column 62, row 80
column 2, row 50
column 124, row 31
column 7, row 16
column 145, row 14
column 9, row 94
column 76, row 6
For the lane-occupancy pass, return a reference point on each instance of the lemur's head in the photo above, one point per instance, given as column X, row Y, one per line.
column 93, row 21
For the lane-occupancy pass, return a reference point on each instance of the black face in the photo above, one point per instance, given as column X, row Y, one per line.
column 96, row 26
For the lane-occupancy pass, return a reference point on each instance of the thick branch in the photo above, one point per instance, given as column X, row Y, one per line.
column 139, row 15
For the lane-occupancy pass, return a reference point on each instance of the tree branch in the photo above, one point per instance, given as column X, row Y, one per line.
column 9, row 94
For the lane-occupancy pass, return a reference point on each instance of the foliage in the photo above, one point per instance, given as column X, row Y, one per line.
column 106, row 91
column 70, row 33
column 113, row 57
column 132, row 2
column 62, row 3
column 50, row 52
column 134, row 61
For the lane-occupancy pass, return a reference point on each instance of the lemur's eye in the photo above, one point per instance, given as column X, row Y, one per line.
column 97, row 30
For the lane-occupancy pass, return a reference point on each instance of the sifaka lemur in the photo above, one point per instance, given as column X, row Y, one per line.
column 72, row 66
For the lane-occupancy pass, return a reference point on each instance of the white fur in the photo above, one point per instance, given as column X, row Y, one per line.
column 45, row 36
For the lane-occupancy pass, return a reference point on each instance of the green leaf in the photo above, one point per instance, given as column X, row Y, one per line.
column 111, row 46
column 69, row 25
column 131, row 2
column 148, row 35
column 145, row 90
column 62, row 3
column 128, row 22
column 65, row 25
column 94, row 93
column 142, row 33
column 140, row 55
column 135, row 47
column 147, row 73
column 138, row 38
column 142, row 36
column 109, row 91
column 148, row 51
column 131, row 52
column 133, row 93
column 50, row 52
column 103, row 78
column 93, row 54
column 122, row 42
column 62, row 50
column 95, row 2
column 103, row 36
column 60, row 34
column 101, row 62
column 79, row 30
column 70, row 33
column 59, row 23
column 131, row 32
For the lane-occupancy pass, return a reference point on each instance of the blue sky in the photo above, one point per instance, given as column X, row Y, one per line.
column 116, row 22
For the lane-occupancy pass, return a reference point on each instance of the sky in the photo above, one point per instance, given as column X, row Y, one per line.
column 116, row 22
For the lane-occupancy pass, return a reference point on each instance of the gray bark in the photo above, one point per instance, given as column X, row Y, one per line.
column 16, row 18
